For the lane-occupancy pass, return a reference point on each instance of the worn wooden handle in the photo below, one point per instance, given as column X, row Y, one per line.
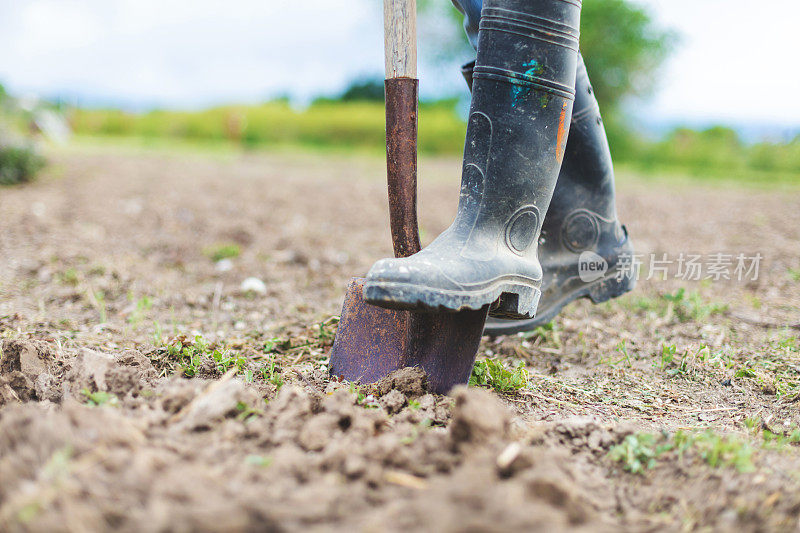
column 400, row 38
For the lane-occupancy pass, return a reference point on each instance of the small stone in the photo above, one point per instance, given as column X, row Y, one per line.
column 253, row 285
column 223, row 265
column 508, row 455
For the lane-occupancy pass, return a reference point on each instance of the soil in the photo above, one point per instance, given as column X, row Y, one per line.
column 144, row 387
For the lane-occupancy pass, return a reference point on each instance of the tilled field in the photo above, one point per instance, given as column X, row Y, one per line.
column 147, row 383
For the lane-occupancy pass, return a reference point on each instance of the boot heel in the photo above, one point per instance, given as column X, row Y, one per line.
column 517, row 302
column 611, row 288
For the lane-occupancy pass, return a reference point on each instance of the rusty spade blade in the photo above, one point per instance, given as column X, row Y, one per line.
column 372, row 341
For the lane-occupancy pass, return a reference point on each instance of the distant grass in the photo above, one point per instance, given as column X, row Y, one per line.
column 354, row 124
column 715, row 155
column 772, row 368
column 683, row 305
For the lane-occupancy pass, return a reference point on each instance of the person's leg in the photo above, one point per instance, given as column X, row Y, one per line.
column 523, row 90
column 472, row 17
column 582, row 218
column 582, row 214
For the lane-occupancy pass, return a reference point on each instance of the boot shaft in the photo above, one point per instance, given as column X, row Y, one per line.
column 587, row 172
column 523, row 90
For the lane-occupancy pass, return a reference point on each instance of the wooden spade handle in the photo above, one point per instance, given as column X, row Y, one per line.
column 400, row 38
column 401, row 123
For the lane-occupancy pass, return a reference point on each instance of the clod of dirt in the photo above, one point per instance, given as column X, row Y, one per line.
column 15, row 387
column 411, row 381
column 89, row 371
column 137, row 360
column 123, row 380
column 131, row 372
column 177, row 393
column 584, row 433
column 436, row 409
column 24, row 372
column 218, row 401
column 478, row 417
column 393, row 402
column 47, row 388
column 30, row 358
column 559, row 491
column 339, row 416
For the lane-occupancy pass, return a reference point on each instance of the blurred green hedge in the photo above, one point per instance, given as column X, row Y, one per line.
column 716, row 151
column 19, row 164
column 326, row 123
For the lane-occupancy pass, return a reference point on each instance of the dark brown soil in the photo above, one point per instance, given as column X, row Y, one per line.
column 114, row 416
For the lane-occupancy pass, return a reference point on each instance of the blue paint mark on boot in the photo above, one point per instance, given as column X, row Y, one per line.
column 520, row 92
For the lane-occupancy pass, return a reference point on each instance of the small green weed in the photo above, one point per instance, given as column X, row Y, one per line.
column 98, row 301
column 100, row 398
column 326, row 331
column 219, row 252
column 622, row 349
column 641, row 451
column 158, row 334
column 272, row 372
column 789, row 343
column 247, row 413
column 276, row 345
column 258, row 460
column 68, row 277
column 492, row 373
column 141, row 306
column 667, row 355
column 691, row 306
column 638, row 452
column 549, row 334
column 794, row 273
column 769, row 439
column 689, row 361
column 190, row 355
column 363, row 398
column 718, row 450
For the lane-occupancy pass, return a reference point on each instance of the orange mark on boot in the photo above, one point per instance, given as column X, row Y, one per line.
column 561, row 133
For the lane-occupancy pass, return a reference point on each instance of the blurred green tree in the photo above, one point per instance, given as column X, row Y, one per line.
column 370, row 90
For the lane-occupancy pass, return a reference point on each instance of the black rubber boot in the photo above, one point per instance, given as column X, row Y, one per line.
column 582, row 218
column 522, row 95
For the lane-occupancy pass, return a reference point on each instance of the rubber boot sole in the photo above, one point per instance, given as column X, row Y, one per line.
column 598, row 291
column 508, row 299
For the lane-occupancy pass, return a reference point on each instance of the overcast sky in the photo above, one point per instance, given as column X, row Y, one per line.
column 737, row 60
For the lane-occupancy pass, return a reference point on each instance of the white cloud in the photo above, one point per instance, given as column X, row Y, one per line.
column 735, row 63
column 187, row 53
